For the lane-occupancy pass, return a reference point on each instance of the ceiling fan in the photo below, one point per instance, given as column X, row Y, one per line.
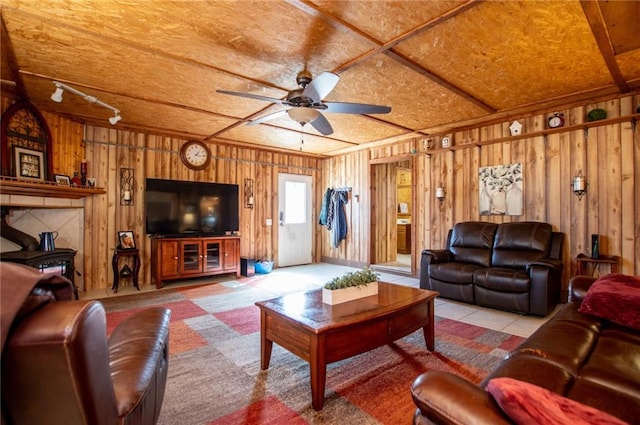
column 307, row 103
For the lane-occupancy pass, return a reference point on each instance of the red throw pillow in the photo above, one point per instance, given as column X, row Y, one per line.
column 615, row 297
column 528, row 404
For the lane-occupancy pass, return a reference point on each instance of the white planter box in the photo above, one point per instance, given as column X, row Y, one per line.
column 338, row 296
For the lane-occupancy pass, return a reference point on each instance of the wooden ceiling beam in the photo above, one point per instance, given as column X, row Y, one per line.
column 438, row 80
column 558, row 103
column 128, row 96
column 594, row 16
column 387, row 48
column 145, row 49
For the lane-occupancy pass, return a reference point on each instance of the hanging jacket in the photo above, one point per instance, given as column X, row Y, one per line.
column 331, row 209
column 339, row 224
column 324, row 209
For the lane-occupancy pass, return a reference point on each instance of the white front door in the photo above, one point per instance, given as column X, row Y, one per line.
column 295, row 223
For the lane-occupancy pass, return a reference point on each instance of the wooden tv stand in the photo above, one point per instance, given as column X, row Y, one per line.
column 182, row 258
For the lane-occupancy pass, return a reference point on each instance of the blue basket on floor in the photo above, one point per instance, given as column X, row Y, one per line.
column 264, row 267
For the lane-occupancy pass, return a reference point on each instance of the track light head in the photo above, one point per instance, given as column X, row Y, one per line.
column 57, row 95
column 114, row 119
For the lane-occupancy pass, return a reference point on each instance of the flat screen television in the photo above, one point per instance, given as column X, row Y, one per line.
column 184, row 208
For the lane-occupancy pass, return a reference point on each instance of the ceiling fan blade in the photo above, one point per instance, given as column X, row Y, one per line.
column 355, row 108
column 251, row 96
column 321, row 86
column 322, row 125
column 267, row 117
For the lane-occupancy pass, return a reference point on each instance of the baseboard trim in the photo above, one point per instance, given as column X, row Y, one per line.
column 347, row 263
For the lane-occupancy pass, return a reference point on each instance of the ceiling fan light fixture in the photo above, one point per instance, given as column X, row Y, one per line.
column 303, row 115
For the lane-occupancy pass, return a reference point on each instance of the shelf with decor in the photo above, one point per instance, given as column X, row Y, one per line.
column 13, row 186
column 547, row 131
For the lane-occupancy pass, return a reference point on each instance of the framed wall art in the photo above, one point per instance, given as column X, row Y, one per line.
column 501, row 190
column 22, row 126
column 29, row 164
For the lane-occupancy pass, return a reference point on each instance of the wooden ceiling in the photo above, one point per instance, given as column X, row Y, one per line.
column 440, row 65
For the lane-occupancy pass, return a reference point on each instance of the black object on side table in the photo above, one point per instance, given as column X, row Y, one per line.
column 125, row 271
column 60, row 261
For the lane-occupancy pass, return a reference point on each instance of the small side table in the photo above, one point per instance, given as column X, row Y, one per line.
column 583, row 261
column 124, row 273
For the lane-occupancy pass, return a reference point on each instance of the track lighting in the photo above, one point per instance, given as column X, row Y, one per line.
column 61, row 87
column 57, row 95
column 114, row 119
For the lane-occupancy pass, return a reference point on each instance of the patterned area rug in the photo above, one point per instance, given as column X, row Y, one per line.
column 214, row 366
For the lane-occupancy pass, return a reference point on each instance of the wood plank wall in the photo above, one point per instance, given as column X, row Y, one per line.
column 151, row 156
column 107, row 150
column 608, row 155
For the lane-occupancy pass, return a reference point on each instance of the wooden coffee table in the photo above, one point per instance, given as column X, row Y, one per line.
column 321, row 333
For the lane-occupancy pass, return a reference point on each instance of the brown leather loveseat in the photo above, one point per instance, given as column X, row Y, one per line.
column 510, row 266
column 60, row 368
column 582, row 357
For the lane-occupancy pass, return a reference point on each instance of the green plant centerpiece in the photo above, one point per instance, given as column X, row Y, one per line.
column 350, row 286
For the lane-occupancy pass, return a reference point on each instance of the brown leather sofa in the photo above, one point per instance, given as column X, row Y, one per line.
column 510, row 266
column 60, row 368
column 590, row 360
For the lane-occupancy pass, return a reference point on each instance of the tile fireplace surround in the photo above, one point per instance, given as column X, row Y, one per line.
column 34, row 215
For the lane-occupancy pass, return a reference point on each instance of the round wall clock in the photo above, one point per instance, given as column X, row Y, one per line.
column 195, row 155
column 557, row 120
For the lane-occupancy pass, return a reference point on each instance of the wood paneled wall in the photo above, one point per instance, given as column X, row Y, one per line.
column 608, row 155
column 108, row 150
column 349, row 171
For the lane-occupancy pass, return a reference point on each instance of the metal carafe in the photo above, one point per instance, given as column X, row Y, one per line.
column 46, row 241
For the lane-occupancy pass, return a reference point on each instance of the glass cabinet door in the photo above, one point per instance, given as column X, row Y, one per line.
column 212, row 256
column 191, row 256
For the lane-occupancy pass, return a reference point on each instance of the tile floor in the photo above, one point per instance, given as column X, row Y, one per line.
column 318, row 274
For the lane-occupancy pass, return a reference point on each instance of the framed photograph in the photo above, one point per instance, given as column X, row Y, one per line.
column 29, row 164
column 62, row 180
column 126, row 240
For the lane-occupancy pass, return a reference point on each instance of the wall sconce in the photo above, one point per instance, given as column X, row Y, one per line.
column 126, row 186
column 61, row 87
column 248, row 193
column 440, row 193
column 579, row 185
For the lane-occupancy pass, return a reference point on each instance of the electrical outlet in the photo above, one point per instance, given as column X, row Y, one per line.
column 269, row 222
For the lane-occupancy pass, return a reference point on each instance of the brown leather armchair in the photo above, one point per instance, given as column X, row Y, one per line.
column 60, row 368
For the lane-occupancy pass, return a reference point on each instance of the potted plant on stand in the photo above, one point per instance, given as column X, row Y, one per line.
column 351, row 286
